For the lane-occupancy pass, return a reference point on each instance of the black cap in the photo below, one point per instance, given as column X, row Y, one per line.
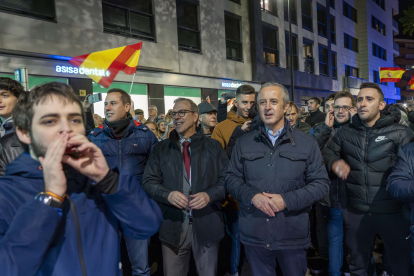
column 206, row 107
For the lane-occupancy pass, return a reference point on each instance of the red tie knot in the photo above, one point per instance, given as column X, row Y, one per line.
column 186, row 144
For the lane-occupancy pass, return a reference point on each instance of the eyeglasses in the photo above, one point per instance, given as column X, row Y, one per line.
column 344, row 108
column 151, row 109
column 181, row 113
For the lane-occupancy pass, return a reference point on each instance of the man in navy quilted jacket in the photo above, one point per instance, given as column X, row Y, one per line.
column 127, row 144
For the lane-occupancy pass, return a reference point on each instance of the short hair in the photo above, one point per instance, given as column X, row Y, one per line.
column 245, row 89
column 138, row 112
column 316, row 99
column 155, row 107
column 330, row 97
column 12, row 86
column 125, row 98
column 373, row 85
column 346, row 94
column 194, row 107
column 285, row 93
column 292, row 104
column 23, row 110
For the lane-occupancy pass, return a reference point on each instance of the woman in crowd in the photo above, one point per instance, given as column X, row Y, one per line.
column 154, row 128
column 162, row 125
column 168, row 117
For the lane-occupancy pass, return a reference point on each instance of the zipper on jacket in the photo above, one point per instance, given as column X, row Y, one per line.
column 365, row 169
column 120, row 153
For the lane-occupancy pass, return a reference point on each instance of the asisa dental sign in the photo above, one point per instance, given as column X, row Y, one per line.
column 231, row 84
column 81, row 71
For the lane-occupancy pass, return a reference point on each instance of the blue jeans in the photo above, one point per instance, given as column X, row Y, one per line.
column 232, row 228
column 138, row 256
column 334, row 226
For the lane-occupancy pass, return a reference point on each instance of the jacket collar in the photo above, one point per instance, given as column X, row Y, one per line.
column 286, row 134
column 25, row 166
column 314, row 113
column 175, row 138
column 383, row 121
column 109, row 131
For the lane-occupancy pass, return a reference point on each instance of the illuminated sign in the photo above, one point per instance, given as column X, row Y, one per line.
column 81, row 71
column 231, row 84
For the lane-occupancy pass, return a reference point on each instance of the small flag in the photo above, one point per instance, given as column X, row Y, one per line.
column 411, row 86
column 103, row 66
column 230, row 102
column 411, row 82
column 208, row 99
column 390, row 74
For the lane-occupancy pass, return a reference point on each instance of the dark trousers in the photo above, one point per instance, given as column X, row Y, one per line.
column 263, row 261
column 360, row 232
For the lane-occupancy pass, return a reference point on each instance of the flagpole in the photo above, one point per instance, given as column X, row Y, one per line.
column 133, row 77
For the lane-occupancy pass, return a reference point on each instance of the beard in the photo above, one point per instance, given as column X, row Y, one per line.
column 37, row 147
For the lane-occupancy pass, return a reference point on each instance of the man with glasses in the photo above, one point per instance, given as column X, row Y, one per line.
column 315, row 115
column 341, row 108
column 185, row 174
column 292, row 116
column 153, row 112
column 362, row 154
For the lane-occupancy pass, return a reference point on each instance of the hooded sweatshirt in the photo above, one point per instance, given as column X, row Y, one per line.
column 223, row 131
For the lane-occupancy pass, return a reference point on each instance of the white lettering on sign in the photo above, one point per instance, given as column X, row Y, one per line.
column 82, row 71
column 231, row 84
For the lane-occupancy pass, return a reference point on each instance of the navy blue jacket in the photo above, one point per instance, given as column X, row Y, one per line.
column 292, row 168
column 131, row 152
column 36, row 240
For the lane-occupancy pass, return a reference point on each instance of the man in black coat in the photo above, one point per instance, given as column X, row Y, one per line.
column 363, row 153
column 185, row 174
column 315, row 115
column 276, row 173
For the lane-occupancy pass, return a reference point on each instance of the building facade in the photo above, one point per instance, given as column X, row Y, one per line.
column 200, row 48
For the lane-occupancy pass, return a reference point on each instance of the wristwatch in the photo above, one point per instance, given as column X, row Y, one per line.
column 48, row 200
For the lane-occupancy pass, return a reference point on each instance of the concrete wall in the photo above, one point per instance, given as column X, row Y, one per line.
column 79, row 30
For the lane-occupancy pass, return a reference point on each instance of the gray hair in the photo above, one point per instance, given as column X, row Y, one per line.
column 285, row 93
column 155, row 107
column 194, row 107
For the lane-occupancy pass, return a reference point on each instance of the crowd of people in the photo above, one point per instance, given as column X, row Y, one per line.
column 262, row 176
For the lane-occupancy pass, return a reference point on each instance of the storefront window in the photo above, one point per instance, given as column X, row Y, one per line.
column 173, row 92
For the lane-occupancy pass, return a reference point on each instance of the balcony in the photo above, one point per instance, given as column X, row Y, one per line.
column 396, row 47
column 395, row 24
column 402, row 62
column 352, row 82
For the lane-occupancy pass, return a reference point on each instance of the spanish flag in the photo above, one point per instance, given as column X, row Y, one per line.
column 390, row 74
column 411, row 83
column 103, row 66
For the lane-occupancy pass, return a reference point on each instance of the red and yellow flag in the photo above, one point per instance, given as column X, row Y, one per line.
column 411, row 83
column 390, row 74
column 103, row 66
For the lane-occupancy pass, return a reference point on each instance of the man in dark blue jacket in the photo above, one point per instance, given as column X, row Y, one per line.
column 61, row 207
column 276, row 173
column 127, row 144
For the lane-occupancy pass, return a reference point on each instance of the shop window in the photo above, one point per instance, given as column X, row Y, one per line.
column 322, row 21
column 378, row 25
column 333, row 30
column 173, row 92
column 129, row 18
column 307, row 15
column 351, row 71
column 234, row 48
column 380, row 3
column 41, row 9
column 323, row 61
column 269, row 6
column 188, row 26
column 292, row 6
column 294, row 49
column 270, row 46
column 379, row 52
column 350, row 42
column 350, row 12
column 308, row 59
column 334, row 68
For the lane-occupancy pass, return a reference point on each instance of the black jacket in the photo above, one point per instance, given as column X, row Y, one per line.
column 292, row 168
column 9, row 150
column 315, row 117
column 371, row 153
column 221, row 112
column 337, row 190
column 302, row 126
column 164, row 174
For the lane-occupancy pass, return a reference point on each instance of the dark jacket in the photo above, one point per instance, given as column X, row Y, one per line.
column 411, row 120
column 337, row 189
column 37, row 239
column 292, row 168
column 221, row 111
column 9, row 150
column 164, row 174
column 302, row 126
column 6, row 127
column 371, row 153
column 131, row 152
column 315, row 117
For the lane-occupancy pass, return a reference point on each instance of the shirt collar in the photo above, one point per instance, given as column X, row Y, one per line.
column 182, row 139
column 277, row 134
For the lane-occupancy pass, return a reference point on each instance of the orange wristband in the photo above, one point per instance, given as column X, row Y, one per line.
column 55, row 196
